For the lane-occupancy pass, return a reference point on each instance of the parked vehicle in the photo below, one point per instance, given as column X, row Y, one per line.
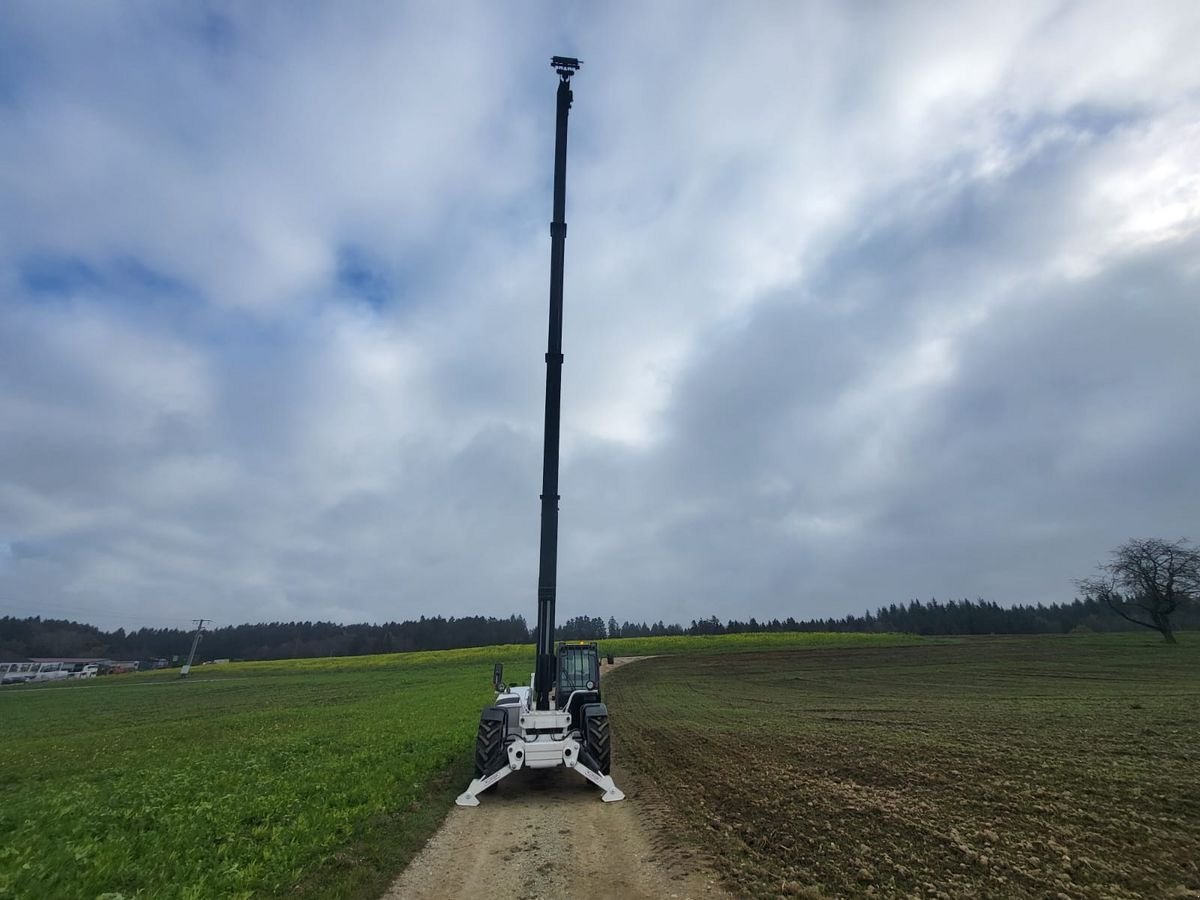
column 51, row 672
column 16, row 672
column 25, row 672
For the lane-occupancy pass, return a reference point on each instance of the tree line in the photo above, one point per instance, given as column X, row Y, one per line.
column 36, row 636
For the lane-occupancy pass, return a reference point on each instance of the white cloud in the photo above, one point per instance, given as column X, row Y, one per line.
column 843, row 284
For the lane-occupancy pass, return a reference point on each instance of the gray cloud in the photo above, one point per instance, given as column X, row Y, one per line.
column 862, row 304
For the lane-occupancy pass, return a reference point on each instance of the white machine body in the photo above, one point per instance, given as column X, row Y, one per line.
column 537, row 739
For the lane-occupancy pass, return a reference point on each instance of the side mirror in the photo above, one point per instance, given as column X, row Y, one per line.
column 498, row 678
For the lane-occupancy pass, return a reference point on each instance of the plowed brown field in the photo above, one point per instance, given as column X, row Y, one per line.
column 1035, row 767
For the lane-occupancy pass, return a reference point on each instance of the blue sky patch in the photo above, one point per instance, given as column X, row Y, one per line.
column 363, row 276
column 57, row 275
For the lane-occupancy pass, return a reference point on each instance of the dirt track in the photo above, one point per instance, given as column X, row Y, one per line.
column 548, row 835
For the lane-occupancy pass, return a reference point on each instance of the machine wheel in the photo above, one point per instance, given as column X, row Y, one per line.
column 599, row 741
column 490, row 755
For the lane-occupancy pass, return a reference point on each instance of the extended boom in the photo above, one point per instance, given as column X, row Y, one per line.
column 548, row 560
column 558, row 719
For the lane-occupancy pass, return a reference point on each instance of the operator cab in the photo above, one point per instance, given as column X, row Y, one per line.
column 578, row 679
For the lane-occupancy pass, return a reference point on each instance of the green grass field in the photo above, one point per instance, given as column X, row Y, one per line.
column 816, row 763
column 1007, row 767
column 316, row 779
column 306, row 778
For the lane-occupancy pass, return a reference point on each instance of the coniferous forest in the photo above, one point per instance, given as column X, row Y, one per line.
column 37, row 636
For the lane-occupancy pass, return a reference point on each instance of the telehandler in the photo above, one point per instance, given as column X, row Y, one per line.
column 558, row 719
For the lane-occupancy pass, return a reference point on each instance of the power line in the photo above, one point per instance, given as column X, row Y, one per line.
column 42, row 607
column 55, row 603
column 85, row 617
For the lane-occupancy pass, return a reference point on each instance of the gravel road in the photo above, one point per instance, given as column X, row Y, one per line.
column 546, row 834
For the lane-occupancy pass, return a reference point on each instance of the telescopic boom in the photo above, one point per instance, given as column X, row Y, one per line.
column 560, row 719
column 543, row 678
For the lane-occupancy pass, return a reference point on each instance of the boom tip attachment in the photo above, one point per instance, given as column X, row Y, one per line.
column 565, row 66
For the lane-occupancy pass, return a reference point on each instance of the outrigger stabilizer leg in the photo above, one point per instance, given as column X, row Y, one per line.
column 516, row 760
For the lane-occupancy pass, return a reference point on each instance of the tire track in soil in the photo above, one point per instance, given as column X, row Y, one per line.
column 546, row 835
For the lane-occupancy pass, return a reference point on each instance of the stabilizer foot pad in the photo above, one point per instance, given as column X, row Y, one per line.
column 604, row 782
column 615, row 794
column 470, row 797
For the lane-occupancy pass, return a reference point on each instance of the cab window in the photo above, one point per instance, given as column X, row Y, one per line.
column 575, row 670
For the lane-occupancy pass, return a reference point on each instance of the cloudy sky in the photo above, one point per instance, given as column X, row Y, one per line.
column 864, row 302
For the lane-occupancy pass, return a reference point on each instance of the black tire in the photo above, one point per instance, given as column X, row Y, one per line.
column 489, row 743
column 598, row 737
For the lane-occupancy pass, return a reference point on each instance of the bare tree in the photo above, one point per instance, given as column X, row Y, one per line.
column 1148, row 580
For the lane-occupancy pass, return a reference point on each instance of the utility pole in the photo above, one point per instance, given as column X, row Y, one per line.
column 195, row 643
